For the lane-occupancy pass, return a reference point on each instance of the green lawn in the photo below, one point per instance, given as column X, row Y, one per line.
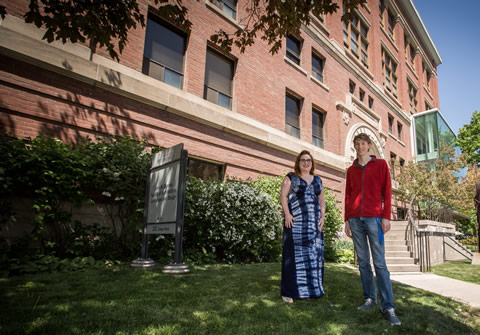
column 217, row 299
column 461, row 270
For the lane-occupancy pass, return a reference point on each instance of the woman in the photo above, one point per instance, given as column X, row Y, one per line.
column 303, row 204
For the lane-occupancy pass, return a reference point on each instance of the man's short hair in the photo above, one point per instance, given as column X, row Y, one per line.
column 363, row 137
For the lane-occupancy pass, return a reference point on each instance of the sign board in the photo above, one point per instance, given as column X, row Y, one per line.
column 165, row 228
column 163, row 194
column 167, row 156
column 163, row 187
column 165, row 203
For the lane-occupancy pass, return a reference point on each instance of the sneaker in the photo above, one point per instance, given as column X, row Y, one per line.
column 391, row 317
column 369, row 304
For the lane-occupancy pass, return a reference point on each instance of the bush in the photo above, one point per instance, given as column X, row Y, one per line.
column 343, row 251
column 270, row 186
column 54, row 173
column 231, row 221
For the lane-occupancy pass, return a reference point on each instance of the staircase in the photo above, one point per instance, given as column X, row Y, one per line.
column 397, row 255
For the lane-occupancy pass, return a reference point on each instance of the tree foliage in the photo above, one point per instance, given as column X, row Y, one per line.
column 438, row 185
column 107, row 24
column 275, row 19
column 469, row 139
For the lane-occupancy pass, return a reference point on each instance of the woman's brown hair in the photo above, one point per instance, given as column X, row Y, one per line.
column 297, row 163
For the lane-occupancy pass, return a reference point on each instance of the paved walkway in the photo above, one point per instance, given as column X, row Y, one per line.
column 467, row 293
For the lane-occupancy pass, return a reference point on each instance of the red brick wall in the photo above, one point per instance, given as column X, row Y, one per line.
column 35, row 100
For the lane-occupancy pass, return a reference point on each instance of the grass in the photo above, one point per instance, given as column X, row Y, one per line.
column 461, row 270
column 217, row 299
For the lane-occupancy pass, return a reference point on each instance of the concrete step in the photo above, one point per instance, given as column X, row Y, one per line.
column 395, row 242
column 399, row 260
column 395, row 237
column 406, row 254
column 402, row 233
column 403, row 268
column 395, row 248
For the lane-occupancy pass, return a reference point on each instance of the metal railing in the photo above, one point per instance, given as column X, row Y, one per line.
column 466, row 253
column 418, row 241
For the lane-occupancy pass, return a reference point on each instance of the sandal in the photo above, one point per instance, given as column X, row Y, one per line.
column 288, row 300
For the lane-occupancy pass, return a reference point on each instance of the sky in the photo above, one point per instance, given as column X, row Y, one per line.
column 454, row 27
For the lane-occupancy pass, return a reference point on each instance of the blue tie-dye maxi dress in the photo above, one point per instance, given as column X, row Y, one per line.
column 302, row 263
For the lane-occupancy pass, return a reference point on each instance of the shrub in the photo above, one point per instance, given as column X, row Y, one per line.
column 343, row 251
column 54, row 173
column 270, row 186
column 232, row 221
column 333, row 224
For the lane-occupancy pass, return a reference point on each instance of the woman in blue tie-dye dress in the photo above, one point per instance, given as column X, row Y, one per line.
column 303, row 204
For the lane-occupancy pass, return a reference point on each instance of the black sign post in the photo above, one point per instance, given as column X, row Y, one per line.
column 164, row 204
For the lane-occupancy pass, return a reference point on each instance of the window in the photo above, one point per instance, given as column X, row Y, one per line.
column 391, row 24
column 355, row 38
column 381, row 10
column 410, row 52
column 428, row 106
column 412, row 56
column 389, row 69
column 292, row 115
column 370, row 102
column 351, row 87
column 390, row 17
column 399, row 130
column 393, row 164
column 412, row 97
column 318, row 121
column 229, row 7
column 390, row 124
column 402, row 162
column 362, row 95
column 205, row 170
column 218, row 79
column 401, row 213
column 427, row 75
column 294, row 48
column 320, row 17
column 317, row 67
column 164, row 52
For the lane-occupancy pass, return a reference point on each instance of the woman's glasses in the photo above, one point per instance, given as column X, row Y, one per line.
column 305, row 160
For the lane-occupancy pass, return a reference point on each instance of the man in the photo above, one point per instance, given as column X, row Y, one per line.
column 368, row 186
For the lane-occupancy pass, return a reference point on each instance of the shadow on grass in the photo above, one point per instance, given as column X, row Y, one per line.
column 240, row 299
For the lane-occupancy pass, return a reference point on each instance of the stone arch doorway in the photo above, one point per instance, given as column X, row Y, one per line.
column 377, row 146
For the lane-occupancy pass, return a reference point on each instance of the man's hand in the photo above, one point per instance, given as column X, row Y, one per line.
column 347, row 229
column 386, row 225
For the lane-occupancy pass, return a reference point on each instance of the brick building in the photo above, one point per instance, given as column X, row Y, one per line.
column 237, row 114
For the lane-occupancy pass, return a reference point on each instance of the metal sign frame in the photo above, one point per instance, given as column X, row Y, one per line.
column 159, row 161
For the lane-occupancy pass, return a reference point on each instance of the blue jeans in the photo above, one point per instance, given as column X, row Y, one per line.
column 363, row 228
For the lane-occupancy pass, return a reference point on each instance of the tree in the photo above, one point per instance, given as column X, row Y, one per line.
column 469, row 139
column 105, row 23
column 435, row 186
column 469, row 142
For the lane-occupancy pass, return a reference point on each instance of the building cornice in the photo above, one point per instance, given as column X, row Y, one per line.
column 419, row 28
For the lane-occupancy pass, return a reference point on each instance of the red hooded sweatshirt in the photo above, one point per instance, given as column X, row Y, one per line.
column 367, row 188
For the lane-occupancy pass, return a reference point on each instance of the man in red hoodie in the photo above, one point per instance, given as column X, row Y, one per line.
column 368, row 197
